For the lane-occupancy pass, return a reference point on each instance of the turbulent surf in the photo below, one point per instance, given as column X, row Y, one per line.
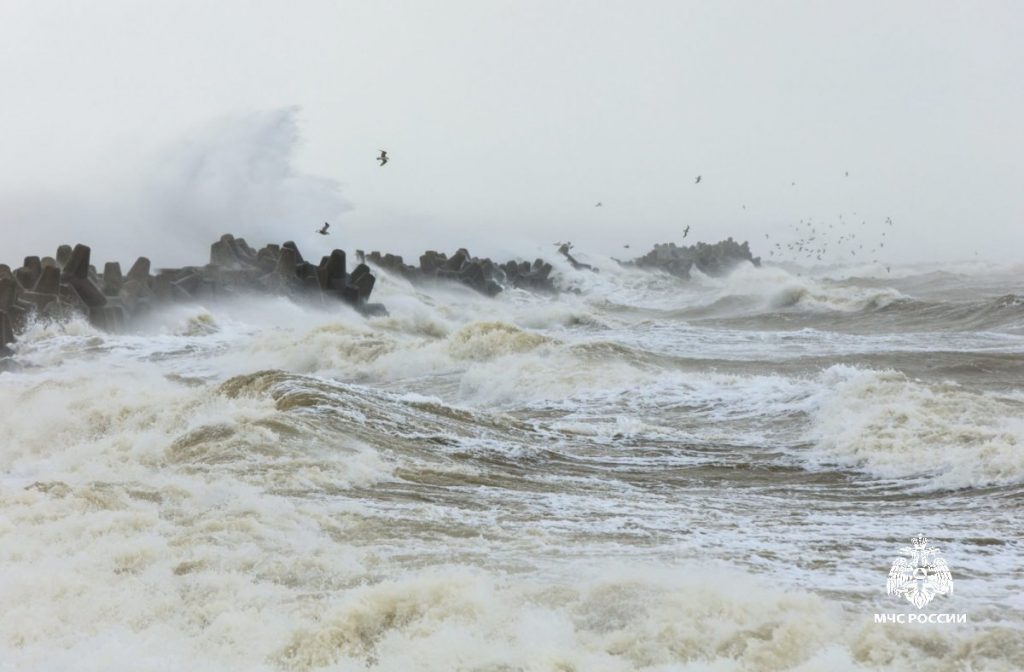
column 641, row 473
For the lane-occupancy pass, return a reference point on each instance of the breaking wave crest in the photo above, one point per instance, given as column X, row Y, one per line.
column 777, row 296
column 894, row 427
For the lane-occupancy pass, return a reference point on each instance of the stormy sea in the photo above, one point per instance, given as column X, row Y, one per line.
column 638, row 473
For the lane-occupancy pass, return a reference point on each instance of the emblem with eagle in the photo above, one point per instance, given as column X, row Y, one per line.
column 919, row 574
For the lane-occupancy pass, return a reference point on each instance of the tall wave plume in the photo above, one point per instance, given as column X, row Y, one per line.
column 236, row 173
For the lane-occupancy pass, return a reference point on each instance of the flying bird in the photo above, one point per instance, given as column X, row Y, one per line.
column 626, row 246
column 686, row 231
column 599, row 204
column 323, row 230
column 697, row 181
column 383, row 158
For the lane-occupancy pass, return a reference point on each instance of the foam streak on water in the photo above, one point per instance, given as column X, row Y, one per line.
column 641, row 475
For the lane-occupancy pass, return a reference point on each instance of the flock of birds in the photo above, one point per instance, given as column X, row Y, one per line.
column 812, row 241
column 820, row 241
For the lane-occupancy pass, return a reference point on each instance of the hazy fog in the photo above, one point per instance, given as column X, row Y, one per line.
column 152, row 127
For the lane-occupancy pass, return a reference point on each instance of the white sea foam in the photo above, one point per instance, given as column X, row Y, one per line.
column 895, row 427
column 264, row 485
column 776, row 288
column 253, row 584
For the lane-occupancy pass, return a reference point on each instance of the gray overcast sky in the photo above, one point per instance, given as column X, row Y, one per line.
column 166, row 123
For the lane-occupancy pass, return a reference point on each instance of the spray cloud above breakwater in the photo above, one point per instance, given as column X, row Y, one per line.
column 236, row 173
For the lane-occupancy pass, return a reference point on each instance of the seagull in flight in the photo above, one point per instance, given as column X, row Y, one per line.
column 697, row 181
column 599, row 204
column 686, row 231
column 323, row 230
column 383, row 158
